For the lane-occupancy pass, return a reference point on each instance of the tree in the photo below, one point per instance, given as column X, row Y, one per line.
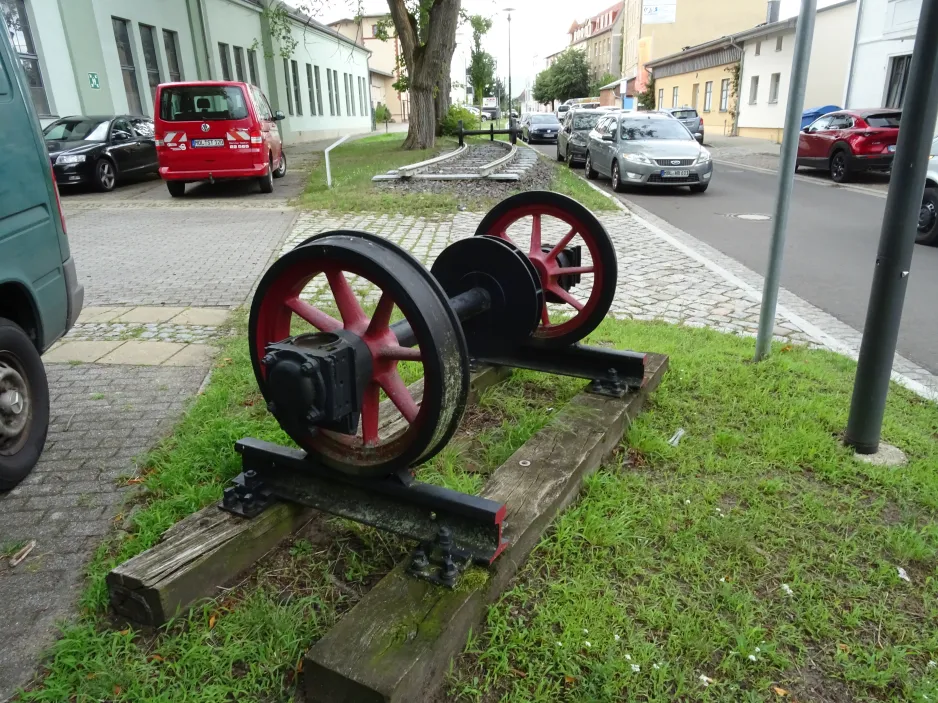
column 497, row 88
column 647, row 99
column 543, row 89
column 605, row 79
column 570, row 75
column 426, row 30
column 481, row 63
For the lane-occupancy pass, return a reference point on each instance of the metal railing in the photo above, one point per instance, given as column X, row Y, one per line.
column 512, row 132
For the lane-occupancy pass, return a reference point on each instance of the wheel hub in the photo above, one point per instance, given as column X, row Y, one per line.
column 14, row 404
column 926, row 217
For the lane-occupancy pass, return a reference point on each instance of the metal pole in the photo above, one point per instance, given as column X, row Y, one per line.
column 326, row 153
column 896, row 239
column 804, row 32
column 510, row 118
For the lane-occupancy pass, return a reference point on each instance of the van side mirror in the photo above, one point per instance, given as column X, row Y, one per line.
column 278, row 115
column 608, row 138
column 807, row 130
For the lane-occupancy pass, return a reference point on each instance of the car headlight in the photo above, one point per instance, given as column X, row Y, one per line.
column 704, row 156
column 70, row 159
column 638, row 159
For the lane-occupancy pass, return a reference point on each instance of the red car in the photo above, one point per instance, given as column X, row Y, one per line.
column 850, row 141
column 215, row 130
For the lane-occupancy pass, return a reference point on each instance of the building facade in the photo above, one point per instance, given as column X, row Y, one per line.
column 107, row 57
column 600, row 38
column 385, row 62
column 766, row 68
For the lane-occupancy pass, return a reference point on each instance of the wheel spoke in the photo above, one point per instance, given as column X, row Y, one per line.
column 561, row 244
column 574, row 269
column 545, row 316
column 392, row 384
column 565, row 296
column 398, row 353
column 345, row 299
column 370, row 404
column 535, row 233
column 314, row 316
column 382, row 317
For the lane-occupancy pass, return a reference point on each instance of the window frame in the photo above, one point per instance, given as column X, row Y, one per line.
column 895, row 98
column 759, row 48
column 128, row 71
column 238, row 55
column 286, row 80
column 28, row 54
column 338, row 95
column 329, row 90
column 775, row 81
column 779, row 42
column 295, row 82
column 309, row 87
column 660, row 98
column 224, row 59
column 675, row 93
column 724, row 95
column 171, row 41
column 252, row 65
column 152, row 71
column 753, row 90
column 318, row 90
column 708, row 96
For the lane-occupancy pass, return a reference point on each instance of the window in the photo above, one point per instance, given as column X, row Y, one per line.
column 263, row 107
column 660, row 98
column 309, row 87
column 652, row 129
column 121, row 130
column 366, row 98
column 841, row 122
column 724, row 94
column 674, row 96
column 820, row 124
column 753, row 90
column 172, row 55
column 252, row 65
column 897, row 80
column 239, row 62
column 374, row 30
column 773, row 87
column 349, row 94
column 335, row 83
column 14, row 13
column 126, row 58
column 778, row 43
column 298, row 101
column 143, row 127
column 695, row 89
column 708, row 95
column 318, row 90
column 225, row 59
column 186, row 103
column 148, row 42
column 758, row 48
column 329, row 90
column 286, row 77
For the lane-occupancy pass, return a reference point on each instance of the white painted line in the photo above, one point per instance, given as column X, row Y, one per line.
column 805, row 179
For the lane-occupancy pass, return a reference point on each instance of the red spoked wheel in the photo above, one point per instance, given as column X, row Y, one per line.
column 542, row 224
column 331, row 284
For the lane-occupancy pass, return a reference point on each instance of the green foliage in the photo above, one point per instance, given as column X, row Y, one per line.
column 451, row 121
column 567, row 77
column 382, row 113
column 543, row 89
column 481, row 63
column 733, row 98
column 647, row 100
column 280, row 30
column 605, row 79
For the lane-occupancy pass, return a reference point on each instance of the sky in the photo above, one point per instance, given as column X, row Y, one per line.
column 538, row 29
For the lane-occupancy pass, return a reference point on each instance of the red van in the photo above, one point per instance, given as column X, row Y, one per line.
column 215, row 130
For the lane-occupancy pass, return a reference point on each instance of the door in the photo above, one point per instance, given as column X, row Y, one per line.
column 144, row 130
column 270, row 132
column 609, row 147
column 811, row 144
column 598, row 145
column 835, row 132
column 123, row 146
column 563, row 137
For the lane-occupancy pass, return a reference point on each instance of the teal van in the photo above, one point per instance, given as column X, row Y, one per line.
column 40, row 296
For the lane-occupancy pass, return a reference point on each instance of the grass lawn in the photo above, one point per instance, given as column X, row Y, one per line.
column 757, row 553
column 354, row 163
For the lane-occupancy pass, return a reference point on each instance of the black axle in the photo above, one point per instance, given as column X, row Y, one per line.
column 466, row 305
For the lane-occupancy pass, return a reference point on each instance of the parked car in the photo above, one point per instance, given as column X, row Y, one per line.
column 540, row 127
column 850, row 141
column 217, row 130
column 574, row 135
column 561, row 111
column 101, row 149
column 928, row 216
column 643, row 149
column 40, row 296
column 688, row 117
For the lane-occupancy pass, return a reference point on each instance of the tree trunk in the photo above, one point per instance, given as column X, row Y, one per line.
column 421, row 131
column 441, row 102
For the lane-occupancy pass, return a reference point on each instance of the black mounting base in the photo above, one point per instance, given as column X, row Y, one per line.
column 398, row 503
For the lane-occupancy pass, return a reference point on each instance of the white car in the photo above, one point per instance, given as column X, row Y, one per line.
column 928, row 216
column 477, row 112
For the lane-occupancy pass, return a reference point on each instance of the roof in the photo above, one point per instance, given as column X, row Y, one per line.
column 614, row 9
column 380, row 72
column 308, row 21
column 732, row 40
column 614, row 84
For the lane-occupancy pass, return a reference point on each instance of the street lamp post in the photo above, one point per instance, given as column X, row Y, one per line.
column 509, row 10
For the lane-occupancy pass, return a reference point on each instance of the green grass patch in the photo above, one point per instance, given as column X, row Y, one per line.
column 757, row 553
column 245, row 645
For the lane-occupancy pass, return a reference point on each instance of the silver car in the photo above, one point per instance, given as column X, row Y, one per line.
column 645, row 149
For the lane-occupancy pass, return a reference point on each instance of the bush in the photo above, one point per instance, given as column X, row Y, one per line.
column 382, row 113
column 451, row 121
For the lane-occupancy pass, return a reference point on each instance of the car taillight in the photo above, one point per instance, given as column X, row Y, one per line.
column 158, row 140
column 256, row 137
column 58, row 201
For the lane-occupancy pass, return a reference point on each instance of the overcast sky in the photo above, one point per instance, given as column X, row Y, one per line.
column 538, row 28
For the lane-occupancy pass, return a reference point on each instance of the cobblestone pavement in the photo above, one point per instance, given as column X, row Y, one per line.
column 101, row 419
column 664, row 274
column 173, row 256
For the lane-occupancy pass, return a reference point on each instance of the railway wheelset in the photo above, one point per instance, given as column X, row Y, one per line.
column 538, row 276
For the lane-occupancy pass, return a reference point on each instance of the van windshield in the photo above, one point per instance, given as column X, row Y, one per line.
column 77, row 130
column 202, row 102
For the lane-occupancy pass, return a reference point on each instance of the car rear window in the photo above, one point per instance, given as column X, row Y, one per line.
column 202, row 102
column 887, row 120
column 684, row 114
column 543, row 119
column 563, row 108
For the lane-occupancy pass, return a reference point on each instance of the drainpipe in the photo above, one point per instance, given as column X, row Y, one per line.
column 853, row 54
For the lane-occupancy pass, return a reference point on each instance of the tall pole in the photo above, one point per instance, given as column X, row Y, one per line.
column 804, row 32
column 896, row 239
column 509, row 68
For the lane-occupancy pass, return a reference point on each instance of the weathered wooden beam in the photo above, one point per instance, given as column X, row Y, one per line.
column 397, row 642
column 209, row 548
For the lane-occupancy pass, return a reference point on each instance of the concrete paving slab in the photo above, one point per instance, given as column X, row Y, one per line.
column 192, row 355
column 206, row 317
column 146, row 313
column 99, row 314
column 86, row 352
column 142, row 353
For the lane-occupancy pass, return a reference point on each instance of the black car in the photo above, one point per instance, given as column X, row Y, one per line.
column 540, row 127
column 101, row 149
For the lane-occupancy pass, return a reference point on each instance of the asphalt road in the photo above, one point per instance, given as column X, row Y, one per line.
column 833, row 233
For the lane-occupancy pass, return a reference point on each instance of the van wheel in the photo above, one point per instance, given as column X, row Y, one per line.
column 282, row 168
column 105, row 175
column 177, row 189
column 927, row 232
column 591, row 173
column 24, row 405
column 266, row 182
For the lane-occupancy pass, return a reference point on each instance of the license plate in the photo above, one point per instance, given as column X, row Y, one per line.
column 891, row 148
column 196, row 143
column 675, row 174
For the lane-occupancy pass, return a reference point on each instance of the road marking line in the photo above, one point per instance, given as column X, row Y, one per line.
column 806, row 179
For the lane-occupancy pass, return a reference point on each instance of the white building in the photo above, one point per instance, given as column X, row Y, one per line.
column 100, row 57
column 765, row 73
column 878, row 71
